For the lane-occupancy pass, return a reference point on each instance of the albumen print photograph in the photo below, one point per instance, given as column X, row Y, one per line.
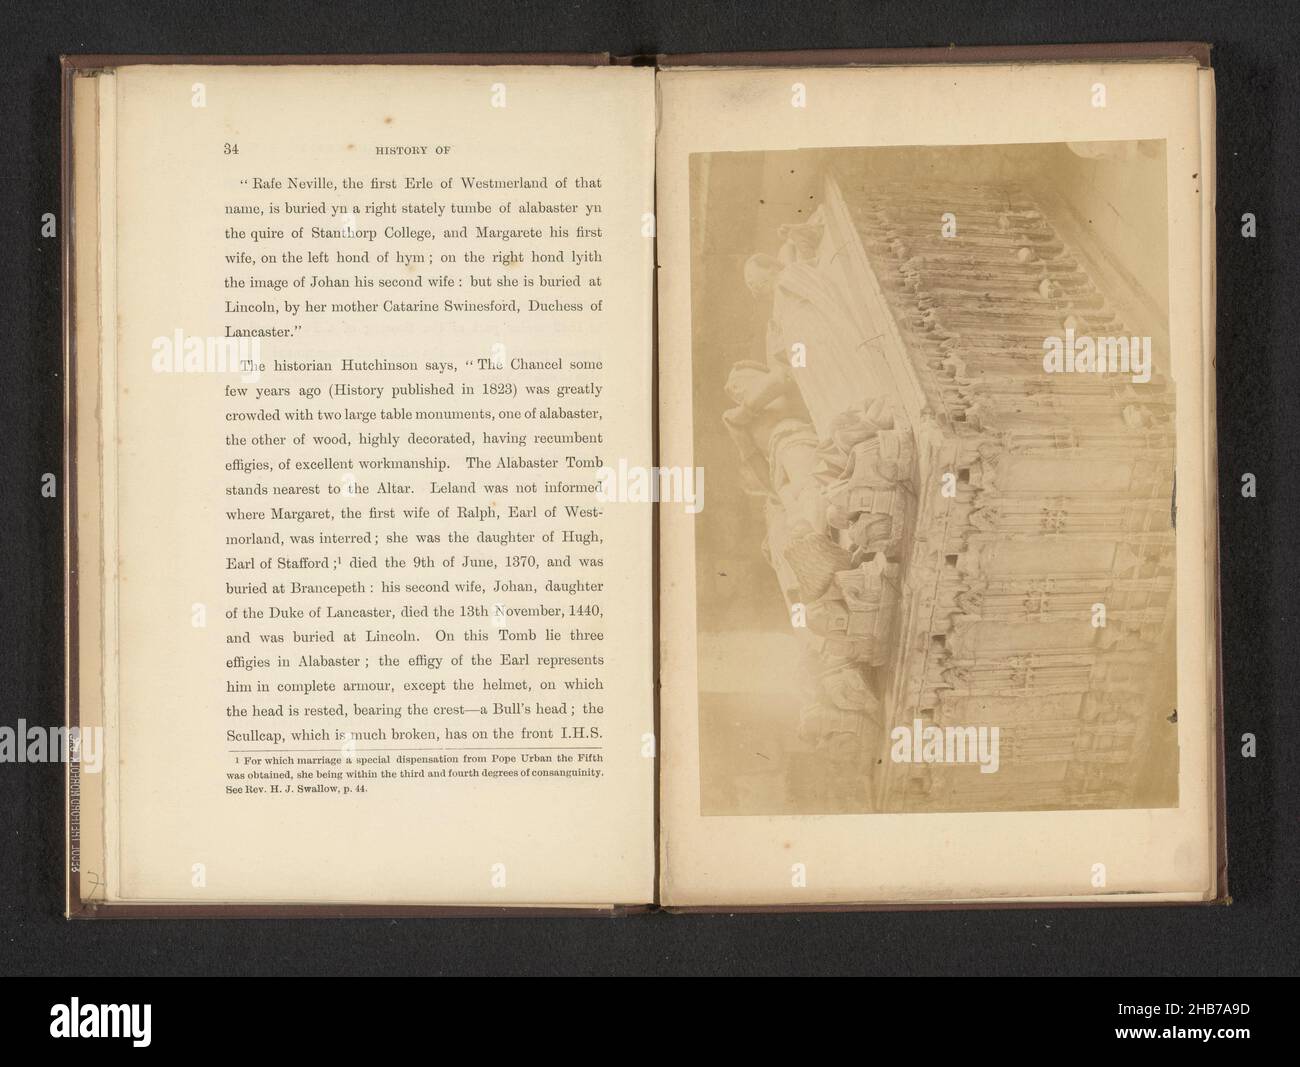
column 931, row 388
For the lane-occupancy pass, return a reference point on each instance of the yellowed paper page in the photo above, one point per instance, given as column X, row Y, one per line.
column 378, row 328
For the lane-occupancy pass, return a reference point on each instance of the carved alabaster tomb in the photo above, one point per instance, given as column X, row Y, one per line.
column 943, row 516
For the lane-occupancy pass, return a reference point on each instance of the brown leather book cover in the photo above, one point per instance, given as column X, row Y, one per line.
column 82, row 904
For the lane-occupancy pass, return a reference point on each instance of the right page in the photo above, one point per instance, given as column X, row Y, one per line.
column 940, row 341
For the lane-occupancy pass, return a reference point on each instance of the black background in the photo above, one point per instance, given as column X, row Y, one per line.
column 1255, row 59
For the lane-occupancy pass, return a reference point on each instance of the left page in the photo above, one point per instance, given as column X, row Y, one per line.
column 370, row 632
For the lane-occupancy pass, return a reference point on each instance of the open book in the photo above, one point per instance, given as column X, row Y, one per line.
column 549, row 482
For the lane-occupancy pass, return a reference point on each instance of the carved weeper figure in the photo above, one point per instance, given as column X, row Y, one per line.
column 815, row 560
column 862, row 461
column 846, row 686
column 855, row 617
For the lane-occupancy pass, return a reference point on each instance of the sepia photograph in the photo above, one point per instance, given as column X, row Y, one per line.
column 932, row 387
